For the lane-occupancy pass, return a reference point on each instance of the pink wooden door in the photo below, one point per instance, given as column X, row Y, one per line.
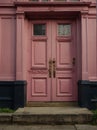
column 52, row 75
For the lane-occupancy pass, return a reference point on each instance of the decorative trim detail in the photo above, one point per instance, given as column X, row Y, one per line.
column 39, row 71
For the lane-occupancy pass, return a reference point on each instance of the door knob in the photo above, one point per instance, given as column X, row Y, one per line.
column 73, row 61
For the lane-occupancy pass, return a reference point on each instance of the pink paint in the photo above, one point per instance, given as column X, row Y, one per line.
column 24, row 56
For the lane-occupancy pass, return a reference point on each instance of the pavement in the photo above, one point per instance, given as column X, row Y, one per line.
column 48, row 127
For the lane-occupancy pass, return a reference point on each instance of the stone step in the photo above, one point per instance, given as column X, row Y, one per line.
column 52, row 104
column 52, row 115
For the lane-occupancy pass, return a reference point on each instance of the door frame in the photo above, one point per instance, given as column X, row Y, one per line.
column 26, row 12
column 23, row 40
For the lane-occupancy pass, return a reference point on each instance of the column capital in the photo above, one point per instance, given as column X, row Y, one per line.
column 20, row 16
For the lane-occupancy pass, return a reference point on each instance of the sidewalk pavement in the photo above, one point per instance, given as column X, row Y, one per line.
column 48, row 127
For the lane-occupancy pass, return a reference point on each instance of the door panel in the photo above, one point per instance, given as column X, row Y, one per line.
column 64, row 87
column 52, row 69
column 62, row 83
column 39, row 54
column 64, row 53
column 40, row 81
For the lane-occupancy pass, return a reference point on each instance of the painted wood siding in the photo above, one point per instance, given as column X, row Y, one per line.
column 7, row 48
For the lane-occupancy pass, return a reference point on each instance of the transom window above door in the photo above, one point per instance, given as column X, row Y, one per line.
column 64, row 29
column 39, row 29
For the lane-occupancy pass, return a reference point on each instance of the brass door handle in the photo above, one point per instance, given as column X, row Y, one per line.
column 73, row 61
column 54, row 68
column 50, row 68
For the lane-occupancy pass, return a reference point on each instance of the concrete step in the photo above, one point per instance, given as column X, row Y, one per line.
column 52, row 115
column 52, row 104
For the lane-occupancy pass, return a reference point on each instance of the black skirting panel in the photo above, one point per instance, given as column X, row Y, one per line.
column 12, row 94
column 87, row 94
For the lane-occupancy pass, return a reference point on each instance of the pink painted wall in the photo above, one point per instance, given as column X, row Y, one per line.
column 22, row 32
column 6, row 1
column 7, row 47
column 92, row 48
column 89, row 45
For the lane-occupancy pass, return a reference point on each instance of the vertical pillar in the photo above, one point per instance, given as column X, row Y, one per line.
column 0, row 44
column 84, row 47
column 92, row 48
column 79, row 50
column 89, row 48
column 19, row 46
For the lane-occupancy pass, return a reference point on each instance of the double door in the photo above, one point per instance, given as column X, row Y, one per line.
column 53, row 61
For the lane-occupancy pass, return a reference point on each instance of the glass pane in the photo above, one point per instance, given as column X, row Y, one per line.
column 65, row 0
column 75, row 0
column 64, row 30
column 45, row 0
column 39, row 29
column 33, row 0
column 60, row 0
